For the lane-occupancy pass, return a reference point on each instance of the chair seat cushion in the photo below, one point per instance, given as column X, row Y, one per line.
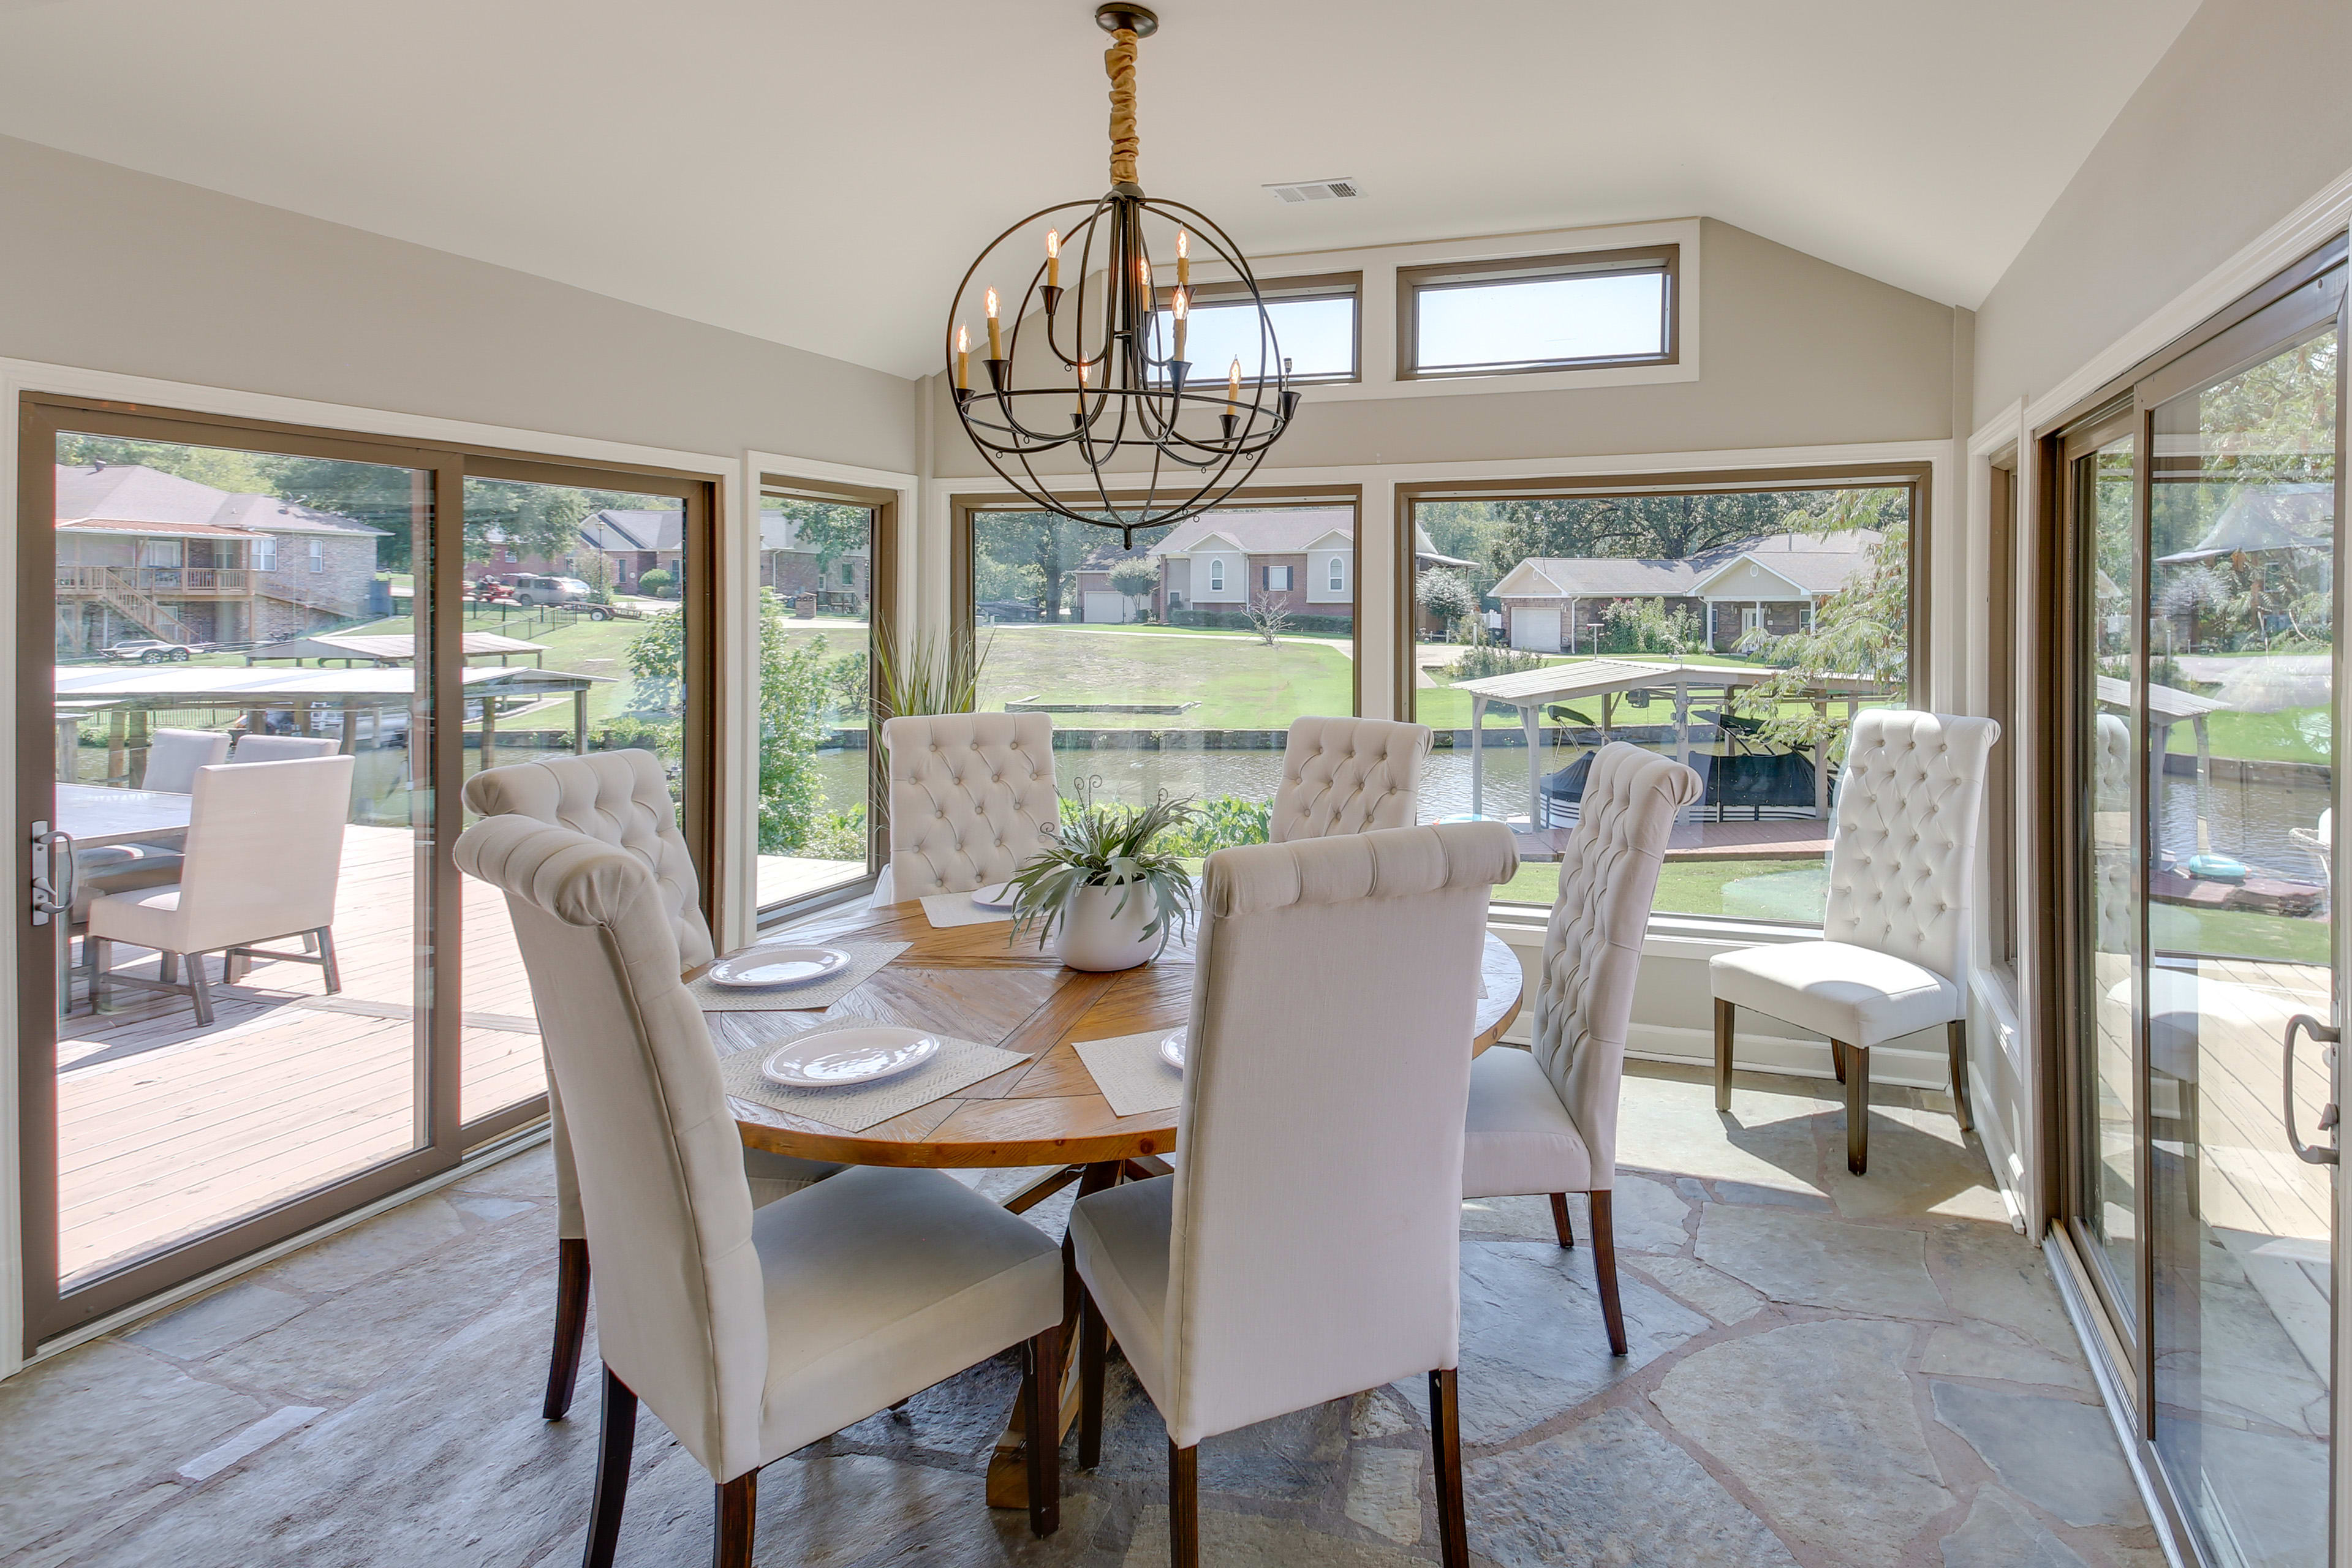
column 880, row 1282
column 142, row 919
column 1120, row 1238
column 1520, row 1138
column 1850, row 994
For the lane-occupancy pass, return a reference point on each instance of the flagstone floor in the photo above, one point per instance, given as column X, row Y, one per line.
column 1825, row 1371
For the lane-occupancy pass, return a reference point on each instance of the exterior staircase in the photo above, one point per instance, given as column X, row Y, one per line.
column 119, row 594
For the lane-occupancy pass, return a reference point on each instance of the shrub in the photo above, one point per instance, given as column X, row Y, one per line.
column 1218, row 824
column 656, row 584
column 1476, row 663
column 836, row 836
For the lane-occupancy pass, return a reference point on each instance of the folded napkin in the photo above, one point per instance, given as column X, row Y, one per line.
column 1130, row 1071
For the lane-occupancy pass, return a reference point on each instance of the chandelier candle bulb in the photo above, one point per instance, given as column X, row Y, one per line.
column 963, row 358
column 996, row 341
column 1181, row 303
column 1053, row 259
column 1183, row 258
column 1233, row 387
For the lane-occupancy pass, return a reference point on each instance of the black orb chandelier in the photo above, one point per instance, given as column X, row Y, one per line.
column 1096, row 370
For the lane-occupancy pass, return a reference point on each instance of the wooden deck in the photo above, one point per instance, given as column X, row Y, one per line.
column 166, row 1129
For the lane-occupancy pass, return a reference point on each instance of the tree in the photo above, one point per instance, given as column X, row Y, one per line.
column 1863, row 630
column 1268, row 617
column 1135, row 577
column 1644, row 626
column 793, row 689
column 1448, row 595
column 1645, row 528
column 1052, row 547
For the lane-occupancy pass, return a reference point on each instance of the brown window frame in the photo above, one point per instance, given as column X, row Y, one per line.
column 1412, row 282
column 1347, row 285
column 881, row 621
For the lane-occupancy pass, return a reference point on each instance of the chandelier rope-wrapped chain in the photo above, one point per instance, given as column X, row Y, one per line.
column 1104, row 380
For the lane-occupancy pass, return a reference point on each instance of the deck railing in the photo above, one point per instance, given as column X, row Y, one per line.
column 169, row 581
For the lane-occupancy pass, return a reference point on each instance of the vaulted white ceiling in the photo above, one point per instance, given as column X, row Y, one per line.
column 819, row 175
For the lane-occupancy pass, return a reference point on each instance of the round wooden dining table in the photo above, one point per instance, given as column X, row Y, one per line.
column 979, row 984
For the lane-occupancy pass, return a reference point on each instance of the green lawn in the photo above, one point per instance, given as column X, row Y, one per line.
column 1236, row 681
column 2289, row 735
column 2237, row 934
column 1743, row 889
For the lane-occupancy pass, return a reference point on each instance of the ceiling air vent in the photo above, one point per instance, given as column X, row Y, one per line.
column 1317, row 190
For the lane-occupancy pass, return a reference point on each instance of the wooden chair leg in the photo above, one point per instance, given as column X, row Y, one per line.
column 1041, row 1393
column 1956, row 1035
column 167, row 968
column 1446, row 1443
column 1858, row 1107
column 734, row 1511
column 199, row 990
column 1837, row 1060
column 613, row 1445
column 1604, row 1268
column 571, row 1326
column 327, row 959
column 1560, row 1226
column 101, row 965
column 1094, row 1351
column 1183, row 1506
column 1724, row 1015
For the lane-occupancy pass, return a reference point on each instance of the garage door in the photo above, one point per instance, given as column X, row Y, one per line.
column 1111, row 609
column 1536, row 629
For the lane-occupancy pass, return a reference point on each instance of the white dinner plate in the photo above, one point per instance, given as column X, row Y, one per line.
column 1171, row 1049
column 841, row 1056
column 760, row 968
column 995, row 895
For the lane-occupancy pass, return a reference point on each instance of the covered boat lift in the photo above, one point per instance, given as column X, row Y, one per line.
column 1531, row 691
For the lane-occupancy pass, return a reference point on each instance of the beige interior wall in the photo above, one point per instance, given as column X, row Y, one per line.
column 1793, row 352
column 106, row 268
column 2241, row 121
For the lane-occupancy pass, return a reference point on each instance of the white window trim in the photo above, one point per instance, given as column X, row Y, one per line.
column 265, row 553
column 317, row 553
column 1216, row 574
column 1336, row 577
column 1376, row 309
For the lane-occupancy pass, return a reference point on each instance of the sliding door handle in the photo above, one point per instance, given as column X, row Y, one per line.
column 2312, row 1153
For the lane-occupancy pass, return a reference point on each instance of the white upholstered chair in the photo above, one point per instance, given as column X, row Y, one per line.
column 1896, row 950
column 750, row 1334
column 175, row 754
column 1347, row 775
column 172, row 758
column 971, row 797
column 278, row 747
column 1545, row 1121
column 622, row 798
column 265, row 851
column 1308, row 1245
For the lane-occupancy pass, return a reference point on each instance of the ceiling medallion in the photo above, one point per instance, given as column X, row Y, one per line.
column 1096, row 371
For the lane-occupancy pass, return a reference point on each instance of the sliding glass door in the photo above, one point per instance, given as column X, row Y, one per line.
column 241, row 1016
column 2203, row 508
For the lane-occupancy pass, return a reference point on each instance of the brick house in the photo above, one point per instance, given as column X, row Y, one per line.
column 1773, row 583
column 845, row 582
column 142, row 553
column 1301, row 558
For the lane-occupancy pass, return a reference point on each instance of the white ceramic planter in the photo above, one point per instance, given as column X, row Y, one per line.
column 1092, row 937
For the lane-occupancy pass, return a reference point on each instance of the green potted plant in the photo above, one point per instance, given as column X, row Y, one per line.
column 1102, row 891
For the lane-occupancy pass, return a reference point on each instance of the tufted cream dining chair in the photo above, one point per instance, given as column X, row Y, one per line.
column 750, row 1334
column 1896, row 950
column 971, row 797
column 1308, row 1245
column 622, row 798
column 1545, row 1121
column 280, row 747
column 172, row 758
column 1347, row 775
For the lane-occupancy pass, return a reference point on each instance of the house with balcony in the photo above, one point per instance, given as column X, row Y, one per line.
column 1772, row 584
column 1213, row 569
column 142, row 553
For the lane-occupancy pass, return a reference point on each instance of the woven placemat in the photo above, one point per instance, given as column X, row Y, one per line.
column 1128, row 1071
column 853, row 1107
column 946, row 909
column 865, row 957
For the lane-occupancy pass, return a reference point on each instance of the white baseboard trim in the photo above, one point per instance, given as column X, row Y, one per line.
column 1910, row 1069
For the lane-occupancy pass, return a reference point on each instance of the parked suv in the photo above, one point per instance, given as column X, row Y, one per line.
column 529, row 589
